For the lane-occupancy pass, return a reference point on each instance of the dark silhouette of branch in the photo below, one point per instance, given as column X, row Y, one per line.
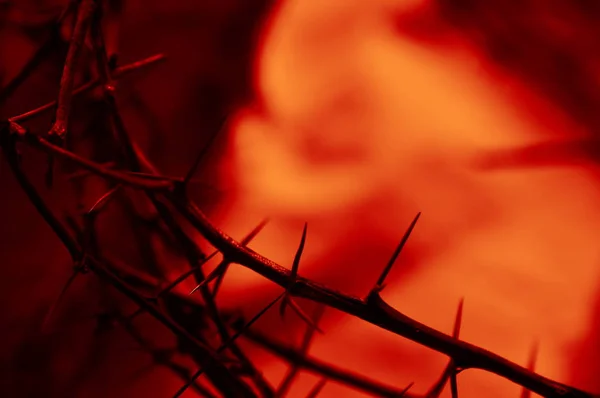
column 525, row 393
column 316, row 390
column 221, row 376
column 373, row 309
column 289, row 378
column 160, row 357
column 87, row 87
column 330, row 371
column 449, row 373
column 294, row 273
column 84, row 15
column 172, row 206
column 380, row 282
column 226, row 344
column 49, row 45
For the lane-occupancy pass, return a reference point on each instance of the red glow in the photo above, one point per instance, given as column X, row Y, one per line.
column 361, row 126
column 359, row 114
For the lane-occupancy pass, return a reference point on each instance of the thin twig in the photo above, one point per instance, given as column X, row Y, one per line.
column 86, row 87
column 165, row 196
column 351, row 379
column 221, row 268
column 84, row 16
column 226, row 344
column 42, row 52
column 116, row 176
column 219, row 374
column 377, row 312
column 160, row 359
column 316, row 390
column 289, row 378
column 202, row 154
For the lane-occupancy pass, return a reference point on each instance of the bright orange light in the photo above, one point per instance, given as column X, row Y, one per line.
column 359, row 127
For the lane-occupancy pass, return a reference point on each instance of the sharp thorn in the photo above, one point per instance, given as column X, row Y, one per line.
column 102, row 201
column 221, row 268
column 390, row 264
column 310, row 331
column 137, row 313
column 252, row 234
column 244, row 242
column 298, row 310
column 185, row 275
column 533, row 353
column 251, row 322
column 296, row 263
column 61, row 295
column 458, row 318
column 405, row 390
column 202, row 154
column 316, row 390
column 187, row 385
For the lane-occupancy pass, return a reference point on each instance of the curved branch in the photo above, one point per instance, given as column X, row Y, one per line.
column 376, row 311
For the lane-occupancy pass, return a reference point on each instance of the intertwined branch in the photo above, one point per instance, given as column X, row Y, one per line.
column 224, row 363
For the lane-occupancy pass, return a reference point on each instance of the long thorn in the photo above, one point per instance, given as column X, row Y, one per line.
column 203, row 153
column 455, row 334
column 458, row 318
column 449, row 371
column 250, row 322
column 298, row 310
column 135, row 314
column 221, row 268
column 316, row 390
column 186, row 275
column 399, row 248
column 86, row 87
column 533, row 353
column 310, row 331
column 103, row 200
column 289, row 378
column 408, row 387
column 58, row 300
column 244, row 242
column 256, row 317
column 296, row 263
column 189, row 383
column 294, row 275
column 84, row 16
column 252, row 234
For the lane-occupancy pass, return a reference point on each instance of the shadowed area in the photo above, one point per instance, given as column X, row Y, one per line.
column 351, row 116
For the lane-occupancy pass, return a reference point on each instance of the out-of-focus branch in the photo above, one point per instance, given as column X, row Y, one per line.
column 168, row 195
column 373, row 309
column 352, row 379
column 84, row 16
column 118, row 73
column 376, row 311
column 211, row 363
column 41, row 53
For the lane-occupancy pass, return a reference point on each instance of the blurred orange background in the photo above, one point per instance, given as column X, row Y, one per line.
column 351, row 116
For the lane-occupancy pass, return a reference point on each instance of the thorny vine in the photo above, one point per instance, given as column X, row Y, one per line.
column 225, row 363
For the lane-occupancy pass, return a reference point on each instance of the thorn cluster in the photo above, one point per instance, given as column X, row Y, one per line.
column 193, row 318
